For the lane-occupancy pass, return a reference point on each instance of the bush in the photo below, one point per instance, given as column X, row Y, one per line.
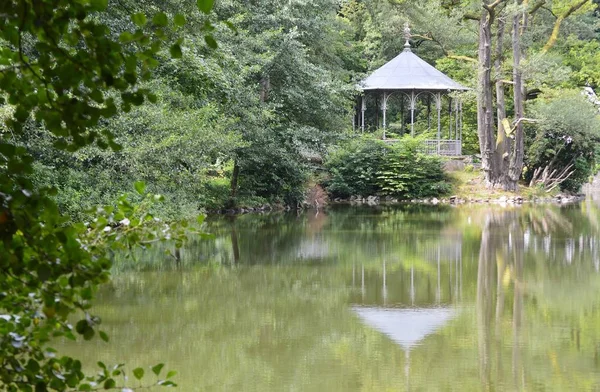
column 410, row 174
column 272, row 172
column 367, row 166
column 353, row 167
column 567, row 133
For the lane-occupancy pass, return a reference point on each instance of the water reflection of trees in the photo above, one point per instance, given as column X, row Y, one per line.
column 522, row 253
column 527, row 316
column 325, row 237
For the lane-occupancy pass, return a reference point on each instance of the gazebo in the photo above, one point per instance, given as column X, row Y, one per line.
column 410, row 79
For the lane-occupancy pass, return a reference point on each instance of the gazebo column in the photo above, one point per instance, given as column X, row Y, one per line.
column 363, row 108
column 456, row 119
column 438, row 104
column 456, row 130
column 384, row 110
column 460, row 120
column 412, row 113
column 460, row 126
column 450, row 118
column 377, row 123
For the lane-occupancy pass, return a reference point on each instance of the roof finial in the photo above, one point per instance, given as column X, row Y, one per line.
column 407, row 36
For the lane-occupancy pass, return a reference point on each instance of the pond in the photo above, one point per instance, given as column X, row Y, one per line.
column 368, row 299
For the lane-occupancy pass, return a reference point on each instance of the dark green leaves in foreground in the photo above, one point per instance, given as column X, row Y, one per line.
column 205, row 5
column 64, row 72
column 110, row 376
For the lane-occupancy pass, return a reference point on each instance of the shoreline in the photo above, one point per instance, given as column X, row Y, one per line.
column 456, row 200
column 374, row 201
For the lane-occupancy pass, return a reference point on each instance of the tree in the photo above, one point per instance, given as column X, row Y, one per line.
column 61, row 68
column 293, row 95
column 563, row 142
column 496, row 149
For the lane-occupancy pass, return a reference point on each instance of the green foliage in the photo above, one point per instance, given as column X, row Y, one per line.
column 172, row 145
column 407, row 173
column 354, row 167
column 289, row 89
column 583, row 57
column 274, row 173
column 63, row 75
column 367, row 166
column 206, row 109
column 567, row 133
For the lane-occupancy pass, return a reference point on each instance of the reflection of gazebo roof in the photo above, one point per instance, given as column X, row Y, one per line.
column 407, row 71
column 406, row 327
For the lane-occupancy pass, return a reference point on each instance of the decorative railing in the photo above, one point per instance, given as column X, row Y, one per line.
column 447, row 148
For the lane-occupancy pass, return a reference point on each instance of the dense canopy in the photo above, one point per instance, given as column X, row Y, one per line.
column 121, row 120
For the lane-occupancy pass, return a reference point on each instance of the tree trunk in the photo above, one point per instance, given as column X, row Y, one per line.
column 503, row 144
column 265, row 86
column 516, row 161
column 485, row 115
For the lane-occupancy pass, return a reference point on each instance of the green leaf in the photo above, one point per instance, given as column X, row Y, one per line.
column 157, row 368
column 231, row 26
column 89, row 333
column 44, row 272
column 109, row 384
column 138, row 373
column 160, row 19
column 140, row 187
column 170, row 374
column 103, row 336
column 81, row 327
column 139, row 19
column 210, row 41
column 179, row 20
column 176, row 51
column 205, row 5
column 99, row 5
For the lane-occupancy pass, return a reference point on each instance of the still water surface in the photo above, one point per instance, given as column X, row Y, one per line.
column 369, row 299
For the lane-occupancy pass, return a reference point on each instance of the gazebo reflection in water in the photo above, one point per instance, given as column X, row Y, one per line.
column 411, row 303
column 402, row 96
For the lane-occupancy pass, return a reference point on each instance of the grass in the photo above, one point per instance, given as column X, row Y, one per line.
column 469, row 184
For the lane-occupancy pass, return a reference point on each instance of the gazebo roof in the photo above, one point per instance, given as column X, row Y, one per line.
column 407, row 71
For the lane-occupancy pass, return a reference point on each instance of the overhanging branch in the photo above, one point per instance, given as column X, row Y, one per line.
column 556, row 29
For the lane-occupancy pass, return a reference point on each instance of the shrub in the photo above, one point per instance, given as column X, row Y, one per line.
column 272, row 172
column 408, row 173
column 367, row 166
column 353, row 167
column 567, row 133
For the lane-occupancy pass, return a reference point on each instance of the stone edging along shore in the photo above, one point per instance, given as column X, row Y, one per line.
column 374, row 200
